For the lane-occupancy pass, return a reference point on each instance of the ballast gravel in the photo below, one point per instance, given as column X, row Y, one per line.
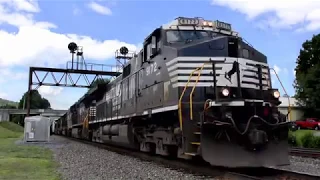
column 80, row 161
column 304, row 165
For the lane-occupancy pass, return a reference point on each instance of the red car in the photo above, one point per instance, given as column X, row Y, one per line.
column 309, row 123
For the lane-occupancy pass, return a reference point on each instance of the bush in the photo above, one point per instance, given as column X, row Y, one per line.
column 316, row 142
column 308, row 140
column 292, row 140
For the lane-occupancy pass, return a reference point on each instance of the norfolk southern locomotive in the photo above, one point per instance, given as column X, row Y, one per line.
column 195, row 89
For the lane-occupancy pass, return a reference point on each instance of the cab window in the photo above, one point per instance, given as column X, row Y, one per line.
column 174, row 36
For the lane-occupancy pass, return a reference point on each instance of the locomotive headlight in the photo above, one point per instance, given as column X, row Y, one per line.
column 225, row 92
column 276, row 94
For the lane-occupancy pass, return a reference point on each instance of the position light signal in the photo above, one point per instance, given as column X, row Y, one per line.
column 124, row 50
column 72, row 47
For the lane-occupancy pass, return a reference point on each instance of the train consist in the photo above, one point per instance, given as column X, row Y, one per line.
column 195, row 89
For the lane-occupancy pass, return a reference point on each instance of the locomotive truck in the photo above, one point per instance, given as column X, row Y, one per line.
column 196, row 89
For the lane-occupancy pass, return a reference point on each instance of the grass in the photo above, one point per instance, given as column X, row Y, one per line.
column 22, row 161
column 299, row 134
column 12, row 126
column 4, row 102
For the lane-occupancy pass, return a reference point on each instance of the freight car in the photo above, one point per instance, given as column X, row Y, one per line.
column 195, row 89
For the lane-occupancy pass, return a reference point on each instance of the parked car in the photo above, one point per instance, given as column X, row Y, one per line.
column 308, row 123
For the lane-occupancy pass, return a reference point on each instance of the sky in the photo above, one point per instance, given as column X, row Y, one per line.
column 37, row 33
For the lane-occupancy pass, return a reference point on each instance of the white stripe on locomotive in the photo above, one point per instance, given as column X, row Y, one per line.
column 246, row 69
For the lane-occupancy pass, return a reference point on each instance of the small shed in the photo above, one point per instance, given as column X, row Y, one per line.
column 37, row 128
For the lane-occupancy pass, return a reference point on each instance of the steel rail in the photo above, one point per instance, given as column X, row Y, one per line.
column 305, row 152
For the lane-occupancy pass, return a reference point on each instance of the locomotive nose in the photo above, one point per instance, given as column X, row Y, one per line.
column 219, row 46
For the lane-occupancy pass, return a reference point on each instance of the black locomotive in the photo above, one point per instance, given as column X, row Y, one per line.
column 195, row 89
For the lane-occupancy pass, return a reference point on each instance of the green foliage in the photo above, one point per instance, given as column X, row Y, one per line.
column 304, row 139
column 99, row 81
column 292, row 139
column 18, row 119
column 6, row 133
column 11, row 126
column 307, row 140
column 307, row 82
column 6, row 104
column 37, row 101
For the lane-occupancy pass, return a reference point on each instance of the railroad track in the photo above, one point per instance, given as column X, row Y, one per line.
column 305, row 152
column 199, row 167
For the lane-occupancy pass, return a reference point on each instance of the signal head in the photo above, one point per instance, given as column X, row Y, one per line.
column 124, row 50
column 72, row 47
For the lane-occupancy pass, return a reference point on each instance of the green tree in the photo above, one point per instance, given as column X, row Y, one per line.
column 99, row 81
column 37, row 101
column 8, row 106
column 307, row 82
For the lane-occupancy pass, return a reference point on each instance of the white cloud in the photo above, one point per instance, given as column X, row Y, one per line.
column 50, row 47
column 276, row 69
column 34, row 44
column 285, row 71
column 49, row 90
column 279, row 14
column 20, row 13
column 56, row 96
column 47, row 46
column 22, row 5
column 98, row 8
column 76, row 11
column 7, row 74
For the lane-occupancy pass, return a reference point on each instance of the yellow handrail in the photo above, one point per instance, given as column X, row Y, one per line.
column 181, row 96
column 193, row 88
column 289, row 106
column 86, row 121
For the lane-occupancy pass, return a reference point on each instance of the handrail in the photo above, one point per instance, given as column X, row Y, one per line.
column 289, row 107
column 86, row 121
column 193, row 88
column 181, row 96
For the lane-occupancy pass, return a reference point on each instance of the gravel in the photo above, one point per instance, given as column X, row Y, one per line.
column 304, row 165
column 80, row 161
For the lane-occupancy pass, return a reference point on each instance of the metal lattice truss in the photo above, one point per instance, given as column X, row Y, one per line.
column 40, row 76
column 77, row 75
column 64, row 77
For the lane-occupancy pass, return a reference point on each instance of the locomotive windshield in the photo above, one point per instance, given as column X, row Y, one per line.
column 174, row 36
column 178, row 36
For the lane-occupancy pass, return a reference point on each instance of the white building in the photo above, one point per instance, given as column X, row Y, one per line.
column 296, row 112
